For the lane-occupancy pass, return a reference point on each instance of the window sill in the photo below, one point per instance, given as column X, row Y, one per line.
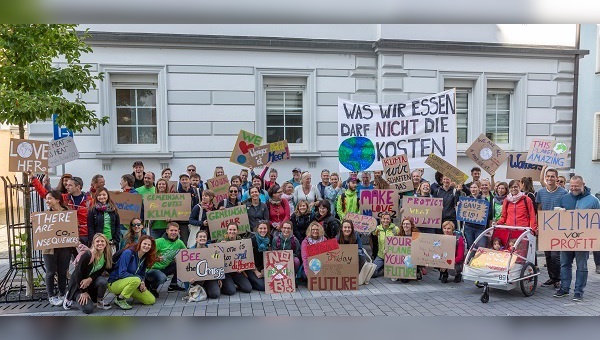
column 107, row 158
column 304, row 154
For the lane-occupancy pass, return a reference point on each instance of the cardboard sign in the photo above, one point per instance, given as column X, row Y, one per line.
column 446, row 168
column 362, row 223
column 334, row 270
column 492, row 259
column 279, row 272
column 569, row 230
column 220, row 186
column 322, row 247
column 486, row 154
column 245, row 141
column 238, row 255
column 548, row 152
column 370, row 132
column 200, row 264
column 397, row 172
column 433, row 250
column 398, row 262
column 160, row 207
column 62, row 151
column 426, row 212
column 517, row 167
column 374, row 202
column 28, row 155
column 472, row 210
column 219, row 219
column 55, row 229
column 272, row 152
column 129, row 205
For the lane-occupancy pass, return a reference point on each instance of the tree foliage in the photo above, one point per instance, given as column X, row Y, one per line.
column 32, row 89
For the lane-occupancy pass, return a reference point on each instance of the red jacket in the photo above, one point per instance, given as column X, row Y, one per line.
column 279, row 212
column 82, row 209
column 519, row 214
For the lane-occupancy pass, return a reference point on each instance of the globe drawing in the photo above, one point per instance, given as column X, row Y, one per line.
column 560, row 148
column 24, row 150
column 315, row 265
column 357, row 153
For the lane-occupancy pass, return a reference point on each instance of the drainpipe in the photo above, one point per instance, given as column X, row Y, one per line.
column 575, row 97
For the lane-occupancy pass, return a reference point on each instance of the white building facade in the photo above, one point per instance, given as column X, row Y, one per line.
column 179, row 94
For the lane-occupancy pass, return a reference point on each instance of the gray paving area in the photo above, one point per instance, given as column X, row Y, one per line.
column 380, row 297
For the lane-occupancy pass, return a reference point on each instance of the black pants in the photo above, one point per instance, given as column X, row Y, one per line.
column 256, row 282
column 233, row 279
column 553, row 264
column 57, row 263
column 375, row 248
column 100, row 285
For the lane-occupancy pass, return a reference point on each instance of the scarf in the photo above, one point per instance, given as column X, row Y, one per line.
column 103, row 207
column 274, row 202
column 207, row 207
column 516, row 198
column 311, row 240
column 263, row 242
column 499, row 198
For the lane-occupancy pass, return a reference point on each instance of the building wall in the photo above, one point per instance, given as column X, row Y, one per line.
column 588, row 105
column 213, row 92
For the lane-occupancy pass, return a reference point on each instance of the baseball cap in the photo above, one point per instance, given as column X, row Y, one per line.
column 296, row 169
column 184, row 175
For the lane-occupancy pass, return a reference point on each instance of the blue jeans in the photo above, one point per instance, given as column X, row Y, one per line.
column 597, row 258
column 472, row 233
column 156, row 277
column 379, row 269
column 566, row 272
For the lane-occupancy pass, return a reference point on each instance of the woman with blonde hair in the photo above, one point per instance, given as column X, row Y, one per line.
column 301, row 219
column 87, row 285
column 306, row 191
column 314, row 234
column 219, row 171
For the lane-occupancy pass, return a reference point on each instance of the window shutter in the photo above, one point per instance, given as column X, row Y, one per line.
column 596, row 155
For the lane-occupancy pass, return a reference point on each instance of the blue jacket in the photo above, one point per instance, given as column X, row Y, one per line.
column 127, row 266
column 583, row 201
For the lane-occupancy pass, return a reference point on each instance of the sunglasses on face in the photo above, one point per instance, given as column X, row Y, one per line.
column 560, row 181
column 233, row 191
column 137, row 224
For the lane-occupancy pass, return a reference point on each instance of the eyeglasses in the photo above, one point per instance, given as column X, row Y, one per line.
column 137, row 224
column 279, row 192
column 559, row 181
column 191, row 170
column 233, row 191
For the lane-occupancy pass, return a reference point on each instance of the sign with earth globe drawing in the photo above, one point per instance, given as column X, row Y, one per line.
column 368, row 132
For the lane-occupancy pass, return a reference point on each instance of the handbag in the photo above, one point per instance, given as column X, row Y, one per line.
column 366, row 271
column 196, row 293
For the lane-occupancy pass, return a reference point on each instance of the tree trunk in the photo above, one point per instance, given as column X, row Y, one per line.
column 27, row 216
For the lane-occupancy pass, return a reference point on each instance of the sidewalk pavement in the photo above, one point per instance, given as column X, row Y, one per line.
column 380, row 297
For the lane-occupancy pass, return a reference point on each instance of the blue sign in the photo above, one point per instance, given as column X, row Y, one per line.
column 472, row 210
column 59, row 131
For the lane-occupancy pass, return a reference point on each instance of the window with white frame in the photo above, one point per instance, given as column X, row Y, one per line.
column 464, row 107
column 596, row 141
column 498, row 107
column 285, row 109
column 136, row 103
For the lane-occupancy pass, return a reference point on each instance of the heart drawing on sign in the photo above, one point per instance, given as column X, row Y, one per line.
column 245, row 147
column 449, row 261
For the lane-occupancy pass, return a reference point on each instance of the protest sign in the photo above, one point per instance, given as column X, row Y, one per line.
column 426, row 212
column 322, row 247
column 238, row 255
column 218, row 220
column 279, row 272
column 62, row 151
column 362, row 223
column 492, row 259
column 271, row 152
column 398, row 262
column 334, row 270
column 200, row 264
column 447, row 169
column 433, row 250
column 569, row 230
column 28, row 155
column 55, row 229
column 397, row 172
column 245, row 141
column 517, row 167
column 374, row 202
column 486, row 154
column 129, row 205
column 548, row 152
column 368, row 133
column 220, row 187
column 472, row 210
column 175, row 207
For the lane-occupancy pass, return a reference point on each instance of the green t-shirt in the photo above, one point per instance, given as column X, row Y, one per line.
column 144, row 191
column 96, row 267
column 107, row 230
column 167, row 249
column 392, row 230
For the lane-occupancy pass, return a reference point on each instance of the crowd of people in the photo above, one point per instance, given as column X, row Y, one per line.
column 132, row 259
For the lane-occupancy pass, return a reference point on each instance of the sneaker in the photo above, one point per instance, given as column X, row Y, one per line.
column 67, row 304
column 560, row 293
column 103, row 304
column 548, row 283
column 458, row 278
column 54, row 301
column 598, row 269
column 175, row 287
column 154, row 292
column 394, row 279
column 577, row 297
column 557, row 285
column 122, row 303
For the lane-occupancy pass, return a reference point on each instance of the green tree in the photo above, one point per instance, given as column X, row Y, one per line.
column 32, row 89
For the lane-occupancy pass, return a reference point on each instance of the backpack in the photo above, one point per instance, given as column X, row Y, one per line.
column 278, row 243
